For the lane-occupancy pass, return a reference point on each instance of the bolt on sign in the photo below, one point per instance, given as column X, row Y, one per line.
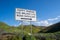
column 25, row 14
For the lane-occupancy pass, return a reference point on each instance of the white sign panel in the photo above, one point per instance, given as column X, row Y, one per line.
column 25, row 14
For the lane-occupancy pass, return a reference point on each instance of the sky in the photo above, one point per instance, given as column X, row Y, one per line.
column 48, row 11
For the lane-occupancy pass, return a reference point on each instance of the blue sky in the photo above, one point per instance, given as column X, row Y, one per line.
column 48, row 11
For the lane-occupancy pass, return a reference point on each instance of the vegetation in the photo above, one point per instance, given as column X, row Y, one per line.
column 38, row 32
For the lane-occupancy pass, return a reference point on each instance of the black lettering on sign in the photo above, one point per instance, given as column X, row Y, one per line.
column 23, row 13
column 20, row 9
column 27, row 18
column 20, row 15
column 30, row 11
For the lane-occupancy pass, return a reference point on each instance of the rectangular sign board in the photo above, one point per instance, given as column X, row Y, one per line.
column 25, row 14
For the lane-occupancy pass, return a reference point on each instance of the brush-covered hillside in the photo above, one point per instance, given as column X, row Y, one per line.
column 52, row 28
column 20, row 28
column 23, row 32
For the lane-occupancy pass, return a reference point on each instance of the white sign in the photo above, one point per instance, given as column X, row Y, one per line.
column 25, row 14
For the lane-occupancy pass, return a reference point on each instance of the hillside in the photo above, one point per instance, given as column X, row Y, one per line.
column 4, row 26
column 51, row 32
column 26, row 28
column 51, row 28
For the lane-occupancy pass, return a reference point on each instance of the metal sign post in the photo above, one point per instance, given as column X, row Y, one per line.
column 22, row 28
column 31, row 30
